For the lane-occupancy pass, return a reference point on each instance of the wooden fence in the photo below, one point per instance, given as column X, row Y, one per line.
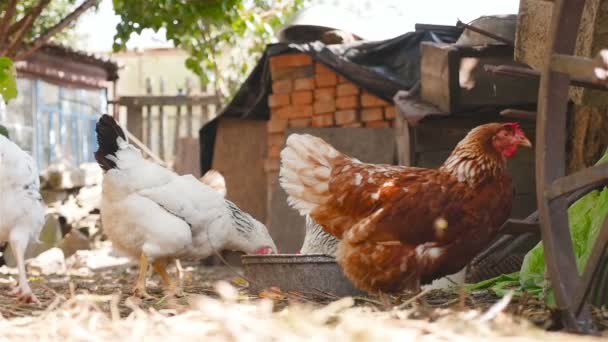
column 167, row 124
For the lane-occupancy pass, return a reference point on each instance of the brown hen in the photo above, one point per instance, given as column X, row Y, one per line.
column 399, row 226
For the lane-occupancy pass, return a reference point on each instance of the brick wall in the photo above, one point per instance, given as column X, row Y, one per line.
column 308, row 94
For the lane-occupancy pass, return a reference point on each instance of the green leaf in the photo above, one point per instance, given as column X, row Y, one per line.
column 8, row 83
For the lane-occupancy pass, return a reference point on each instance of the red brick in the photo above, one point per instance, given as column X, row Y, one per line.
column 345, row 116
column 276, row 139
column 299, row 123
column 371, row 114
column 377, row 124
column 324, row 120
column 352, row 125
column 346, row 89
column 390, row 112
column 272, row 164
column 325, row 80
column 278, row 100
column 304, row 84
column 322, row 69
column 292, row 73
column 290, row 60
column 321, row 107
column 282, row 86
column 274, row 151
column 369, row 100
column 301, row 97
column 347, row 102
column 275, row 125
column 342, row 79
column 325, row 94
column 293, row 111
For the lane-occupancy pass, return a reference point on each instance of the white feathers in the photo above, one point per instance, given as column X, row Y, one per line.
column 147, row 208
column 306, row 164
column 21, row 207
column 216, row 181
column 317, row 241
column 358, row 179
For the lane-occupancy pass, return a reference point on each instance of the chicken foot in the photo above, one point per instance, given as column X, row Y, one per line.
column 140, row 286
column 171, row 288
column 22, row 291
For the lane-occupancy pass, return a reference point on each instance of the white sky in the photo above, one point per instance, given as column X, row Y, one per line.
column 387, row 18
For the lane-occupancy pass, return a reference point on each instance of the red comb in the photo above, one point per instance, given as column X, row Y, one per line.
column 514, row 125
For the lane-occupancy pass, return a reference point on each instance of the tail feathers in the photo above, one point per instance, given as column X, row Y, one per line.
column 108, row 132
column 215, row 180
column 306, row 164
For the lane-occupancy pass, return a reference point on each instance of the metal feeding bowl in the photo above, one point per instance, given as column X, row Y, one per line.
column 306, row 273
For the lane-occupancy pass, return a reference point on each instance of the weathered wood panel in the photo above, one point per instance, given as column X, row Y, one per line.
column 440, row 68
column 240, row 149
column 187, row 157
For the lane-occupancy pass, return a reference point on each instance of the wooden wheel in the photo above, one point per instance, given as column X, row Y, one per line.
column 571, row 290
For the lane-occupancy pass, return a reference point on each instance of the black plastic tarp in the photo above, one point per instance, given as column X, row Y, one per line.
column 380, row 67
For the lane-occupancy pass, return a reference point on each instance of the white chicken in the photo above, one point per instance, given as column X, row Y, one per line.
column 21, row 208
column 317, row 241
column 153, row 214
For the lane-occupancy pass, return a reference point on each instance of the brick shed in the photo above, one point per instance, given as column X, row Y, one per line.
column 341, row 93
column 306, row 94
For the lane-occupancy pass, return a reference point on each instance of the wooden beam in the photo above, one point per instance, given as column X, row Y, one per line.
column 503, row 40
column 518, row 114
column 178, row 100
column 531, row 73
column 575, row 66
column 590, row 176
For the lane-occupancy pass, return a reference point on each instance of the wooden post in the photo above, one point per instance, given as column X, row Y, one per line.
column 161, row 123
column 135, row 120
column 149, row 121
column 188, row 109
column 177, row 127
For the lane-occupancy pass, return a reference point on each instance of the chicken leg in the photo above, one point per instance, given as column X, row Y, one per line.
column 160, row 266
column 140, row 286
column 23, row 291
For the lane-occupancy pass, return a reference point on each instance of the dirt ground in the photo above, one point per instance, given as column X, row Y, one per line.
column 59, row 293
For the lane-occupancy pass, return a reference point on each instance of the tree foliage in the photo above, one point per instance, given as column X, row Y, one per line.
column 26, row 25
column 224, row 38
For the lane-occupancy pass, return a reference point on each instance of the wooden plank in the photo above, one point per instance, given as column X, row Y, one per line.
column 161, row 133
column 590, row 176
column 435, row 74
column 135, row 121
column 518, row 114
column 178, row 119
column 516, row 227
column 159, row 100
column 580, row 67
column 187, row 157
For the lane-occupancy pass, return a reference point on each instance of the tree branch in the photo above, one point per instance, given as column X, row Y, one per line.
column 9, row 13
column 27, row 25
column 53, row 30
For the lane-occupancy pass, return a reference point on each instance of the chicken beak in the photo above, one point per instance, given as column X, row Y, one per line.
column 525, row 142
